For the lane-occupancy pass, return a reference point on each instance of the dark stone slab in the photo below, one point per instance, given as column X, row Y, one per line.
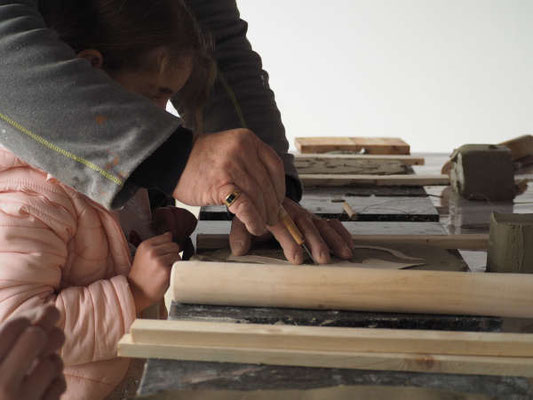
column 370, row 204
column 352, row 319
column 170, row 375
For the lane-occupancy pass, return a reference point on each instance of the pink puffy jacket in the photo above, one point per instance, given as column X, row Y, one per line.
column 56, row 245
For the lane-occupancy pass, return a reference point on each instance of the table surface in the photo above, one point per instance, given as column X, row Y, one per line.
column 456, row 216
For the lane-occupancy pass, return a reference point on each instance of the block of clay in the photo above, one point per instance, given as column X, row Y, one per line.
column 483, row 172
column 511, row 243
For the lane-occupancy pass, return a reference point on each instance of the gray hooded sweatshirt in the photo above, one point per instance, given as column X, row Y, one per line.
column 73, row 121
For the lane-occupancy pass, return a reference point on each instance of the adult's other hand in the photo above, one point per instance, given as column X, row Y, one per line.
column 322, row 236
column 236, row 160
column 29, row 366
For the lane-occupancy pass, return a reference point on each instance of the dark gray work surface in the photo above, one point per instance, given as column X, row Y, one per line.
column 168, row 375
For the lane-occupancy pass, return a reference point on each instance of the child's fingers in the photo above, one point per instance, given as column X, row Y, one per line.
column 167, row 248
column 44, row 316
column 22, row 355
column 45, row 372
column 56, row 389
column 9, row 333
column 56, row 338
column 158, row 240
column 170, row 259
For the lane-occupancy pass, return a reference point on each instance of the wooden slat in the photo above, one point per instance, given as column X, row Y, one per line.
column 360, row 289
column 326, row 180
column 331, row 339
column 207, row 241
column 460, row 242
column 370, row 145
column 354, row 164
column 452, row 364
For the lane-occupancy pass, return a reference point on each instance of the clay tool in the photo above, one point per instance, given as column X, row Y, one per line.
column 294, row 231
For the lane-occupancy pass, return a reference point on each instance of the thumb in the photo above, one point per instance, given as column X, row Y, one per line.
column 240, row 239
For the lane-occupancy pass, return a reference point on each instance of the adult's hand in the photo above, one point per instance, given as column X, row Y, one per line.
column 223, row 162
column 322, row 236
column 29, row 366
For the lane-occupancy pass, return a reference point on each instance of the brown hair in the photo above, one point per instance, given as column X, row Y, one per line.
column 125, row 31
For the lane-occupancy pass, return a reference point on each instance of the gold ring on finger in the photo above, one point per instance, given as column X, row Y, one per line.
column 232, row 198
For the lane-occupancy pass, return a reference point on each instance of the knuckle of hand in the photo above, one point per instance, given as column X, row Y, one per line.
column 278, row 165
column 304, row 219
column 243, row 138
column 7, row 391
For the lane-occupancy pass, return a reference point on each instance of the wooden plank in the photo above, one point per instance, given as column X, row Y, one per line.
column 361, row 289
column 325, row 180
column 355, row 164
column 331, row 339
column 460, row 242
column 370, row 145
column 511, row 243
column 215, row 234
column 451, row 364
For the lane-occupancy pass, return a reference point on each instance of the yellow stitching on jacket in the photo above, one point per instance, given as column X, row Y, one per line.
column 61, row 151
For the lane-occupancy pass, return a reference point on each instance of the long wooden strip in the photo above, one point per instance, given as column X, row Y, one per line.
column 354, row 164
column 403, row 159
column 331, row 339
column 371, row 145
column 374, row 180
column 451, row 364
column 207, row 241
column 338, row 288
column 461, row 242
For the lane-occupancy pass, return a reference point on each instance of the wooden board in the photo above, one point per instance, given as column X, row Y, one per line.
column 453, row 364
column 354, row 164
column 511, row 243
column 330, row 339
column 369, row 145
column 215, row 234
column 460, row 242
column 337, row 288
column 324, row 180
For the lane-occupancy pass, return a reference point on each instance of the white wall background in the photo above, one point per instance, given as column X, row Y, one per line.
column 438, row 73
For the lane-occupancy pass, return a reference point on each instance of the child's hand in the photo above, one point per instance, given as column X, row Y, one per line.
column 180, row 222
column 150, row 273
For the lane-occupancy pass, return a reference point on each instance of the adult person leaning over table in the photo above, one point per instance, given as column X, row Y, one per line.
column 53, row 106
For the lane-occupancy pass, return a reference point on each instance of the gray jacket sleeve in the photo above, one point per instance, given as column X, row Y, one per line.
column 72, row 120
column 241, row 96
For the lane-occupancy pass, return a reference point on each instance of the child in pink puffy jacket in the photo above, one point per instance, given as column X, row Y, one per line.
column 58, row 246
